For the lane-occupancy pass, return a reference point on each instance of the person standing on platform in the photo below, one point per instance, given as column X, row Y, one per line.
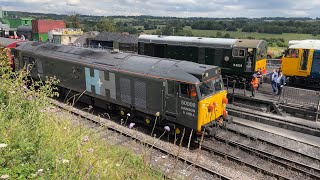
column 281, row 81
column 274, row 78
column 259, row 76
column 254, row 84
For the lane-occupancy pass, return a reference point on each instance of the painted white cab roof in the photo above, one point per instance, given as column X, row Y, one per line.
column 307, row 44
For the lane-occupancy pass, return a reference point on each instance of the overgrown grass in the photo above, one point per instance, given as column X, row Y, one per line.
column 39, row 145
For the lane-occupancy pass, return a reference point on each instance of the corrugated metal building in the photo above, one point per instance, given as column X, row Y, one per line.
column 113, row 40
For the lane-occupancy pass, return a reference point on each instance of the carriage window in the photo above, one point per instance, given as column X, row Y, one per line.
column 188, row 90
column 238, row 53
column 292, row 53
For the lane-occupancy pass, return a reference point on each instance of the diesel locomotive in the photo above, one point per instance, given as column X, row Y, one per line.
column 301, row 63
column 180, row 94
column 237, row 58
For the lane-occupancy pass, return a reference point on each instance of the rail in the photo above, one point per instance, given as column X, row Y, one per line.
column 262, row 153
column 113, row 127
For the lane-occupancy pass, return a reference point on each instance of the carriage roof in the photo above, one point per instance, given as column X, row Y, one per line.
column 306, row 44
column 7, row 42
column 200, row 41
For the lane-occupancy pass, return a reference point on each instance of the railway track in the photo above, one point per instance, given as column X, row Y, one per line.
column 234, row 146
column 101, row 121
column 273, row 120
column 246, row 150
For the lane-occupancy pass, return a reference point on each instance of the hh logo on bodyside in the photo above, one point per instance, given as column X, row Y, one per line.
column 100, row 83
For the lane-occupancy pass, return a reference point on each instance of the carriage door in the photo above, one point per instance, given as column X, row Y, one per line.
column 250, row 60
column 171, row 98
column 303, row 66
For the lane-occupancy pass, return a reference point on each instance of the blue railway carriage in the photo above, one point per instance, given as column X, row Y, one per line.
column 301, row 63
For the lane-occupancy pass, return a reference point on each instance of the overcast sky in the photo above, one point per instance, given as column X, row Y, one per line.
column 178, row 8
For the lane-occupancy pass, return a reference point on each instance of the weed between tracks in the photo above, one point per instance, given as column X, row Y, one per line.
column 37, row 144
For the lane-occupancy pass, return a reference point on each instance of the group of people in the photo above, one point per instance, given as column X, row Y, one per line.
column 278, row 80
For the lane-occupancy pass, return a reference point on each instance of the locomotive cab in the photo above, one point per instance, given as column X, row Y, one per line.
column 301, row 63
column 200, row 105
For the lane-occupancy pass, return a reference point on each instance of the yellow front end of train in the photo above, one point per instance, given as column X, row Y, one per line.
column 262, row 65
column 212, row 110
column 297, row 62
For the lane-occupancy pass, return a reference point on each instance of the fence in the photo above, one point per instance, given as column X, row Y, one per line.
column 303, row 97
column 273, row 64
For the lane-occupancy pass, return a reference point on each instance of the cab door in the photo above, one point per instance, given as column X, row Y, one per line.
column 171, row 98
column 187, row 105
column 304, row 59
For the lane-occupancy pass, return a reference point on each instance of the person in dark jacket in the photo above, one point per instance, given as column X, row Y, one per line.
column 281, row 81
column 274, row 78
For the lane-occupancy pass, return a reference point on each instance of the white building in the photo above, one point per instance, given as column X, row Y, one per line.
column 64, row 36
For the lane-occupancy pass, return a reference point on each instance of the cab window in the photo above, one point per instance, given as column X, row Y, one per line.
column 238, row 52
column 292, row 53
column 188, row 91
column 218, row 85
column 210, row 87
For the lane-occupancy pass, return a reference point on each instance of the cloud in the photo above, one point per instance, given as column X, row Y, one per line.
column 178, row 8
column 73, row 2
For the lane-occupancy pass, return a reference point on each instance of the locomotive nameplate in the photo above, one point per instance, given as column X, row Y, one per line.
column 188, row 108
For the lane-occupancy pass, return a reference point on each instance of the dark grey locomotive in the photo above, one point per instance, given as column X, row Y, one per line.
column 184, row 94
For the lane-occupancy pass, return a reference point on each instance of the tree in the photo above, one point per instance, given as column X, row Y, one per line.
column 75, row 20
column 218, row 34
column 149, row 25
column 107, row 25
column 227, row 35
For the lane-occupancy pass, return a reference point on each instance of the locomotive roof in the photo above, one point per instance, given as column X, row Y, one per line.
column 200, row 41
column 126, row 62
column 313, row 44
column 5, row 42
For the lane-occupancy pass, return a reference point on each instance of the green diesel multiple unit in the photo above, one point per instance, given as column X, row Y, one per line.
column 238, row 58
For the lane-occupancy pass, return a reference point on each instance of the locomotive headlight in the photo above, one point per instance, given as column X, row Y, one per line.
column 225, row 100
column 226, row 58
